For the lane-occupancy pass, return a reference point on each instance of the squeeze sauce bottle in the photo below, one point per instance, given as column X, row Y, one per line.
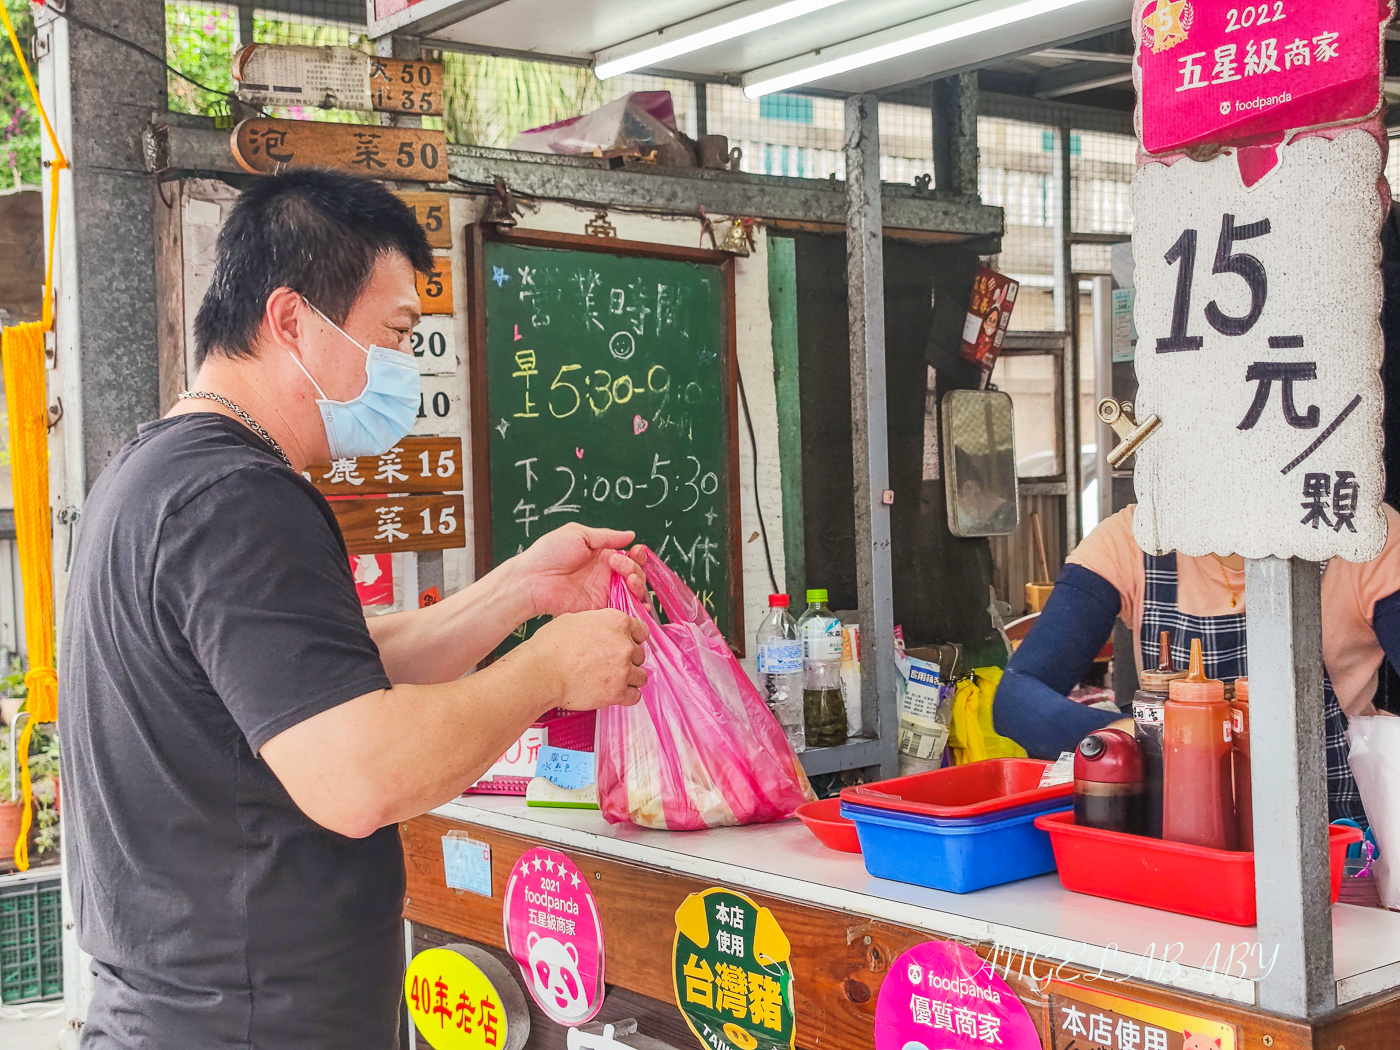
column 1244, row 788
column 1108, row 782
column 1198, row 803
column 1149, row 718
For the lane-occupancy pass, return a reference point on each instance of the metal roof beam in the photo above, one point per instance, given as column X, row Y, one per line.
column 1055, row 113
column 181, row 144
column 1071, row 80
column 1070, row 54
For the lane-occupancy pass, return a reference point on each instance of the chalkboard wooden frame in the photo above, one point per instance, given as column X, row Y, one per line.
column 476, row 236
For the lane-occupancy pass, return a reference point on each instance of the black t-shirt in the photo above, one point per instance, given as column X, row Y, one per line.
column 211, row 606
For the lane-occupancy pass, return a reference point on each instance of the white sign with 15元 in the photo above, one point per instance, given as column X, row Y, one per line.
column 1259, row 347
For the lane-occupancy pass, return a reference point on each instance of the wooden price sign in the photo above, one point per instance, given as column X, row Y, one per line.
column 439, row 406
column 265, row 146
column 415, row 464
column 336, row 78
column 431, row 211
column 434, row 345
column 410, row 87
column 435, row 290
column 381, row 524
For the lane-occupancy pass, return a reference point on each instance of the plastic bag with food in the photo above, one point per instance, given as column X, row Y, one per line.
column 701, row 750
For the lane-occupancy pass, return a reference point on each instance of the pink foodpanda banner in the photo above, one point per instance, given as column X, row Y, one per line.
column 1218, row 71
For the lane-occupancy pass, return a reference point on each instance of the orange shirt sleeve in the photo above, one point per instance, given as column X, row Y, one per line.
column 1112, row 552
column 1380, row 577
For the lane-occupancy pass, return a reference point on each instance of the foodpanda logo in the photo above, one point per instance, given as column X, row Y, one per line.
column 554, row 970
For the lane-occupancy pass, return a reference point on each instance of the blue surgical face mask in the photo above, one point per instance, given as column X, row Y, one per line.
column 375, row 420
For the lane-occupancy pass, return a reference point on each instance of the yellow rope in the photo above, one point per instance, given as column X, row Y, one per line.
column 22, row 351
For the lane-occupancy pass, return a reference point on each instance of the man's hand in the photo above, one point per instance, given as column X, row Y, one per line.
column 588, row 659
column 569, row 570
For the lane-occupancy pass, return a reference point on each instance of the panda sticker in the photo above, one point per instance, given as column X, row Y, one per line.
column 553, row 933
column 555, row 979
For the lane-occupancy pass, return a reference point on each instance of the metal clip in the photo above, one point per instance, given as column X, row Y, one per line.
column 1119, row 415
column 55, row 412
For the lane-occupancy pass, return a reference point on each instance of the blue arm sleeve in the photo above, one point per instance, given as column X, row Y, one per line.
column 1031, row 707
column 1385, row 620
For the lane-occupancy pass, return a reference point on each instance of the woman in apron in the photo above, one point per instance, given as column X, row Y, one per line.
column 1109, row 576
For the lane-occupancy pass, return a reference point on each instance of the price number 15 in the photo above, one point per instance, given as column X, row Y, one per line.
column 1227, row 260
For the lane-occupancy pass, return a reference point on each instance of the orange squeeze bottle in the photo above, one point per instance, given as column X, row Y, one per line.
column 1198, row 803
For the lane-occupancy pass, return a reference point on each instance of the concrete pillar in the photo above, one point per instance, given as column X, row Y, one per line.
column 100, row 96
column 955, row 154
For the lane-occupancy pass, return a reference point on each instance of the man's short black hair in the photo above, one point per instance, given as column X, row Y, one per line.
column 316, row 231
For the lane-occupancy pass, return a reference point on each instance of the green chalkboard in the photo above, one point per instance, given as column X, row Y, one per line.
column 603, row 386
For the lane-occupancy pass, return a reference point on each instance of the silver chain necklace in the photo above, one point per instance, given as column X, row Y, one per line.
column 253, row 424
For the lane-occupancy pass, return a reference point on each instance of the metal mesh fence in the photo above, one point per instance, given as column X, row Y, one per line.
column 1017, row 173
column 491, row 99
column 202, row 38
column 1101, row 166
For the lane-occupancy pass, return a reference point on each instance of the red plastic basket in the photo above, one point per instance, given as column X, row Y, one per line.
column 1170, row 876
column 571, row 730
column 958, row 792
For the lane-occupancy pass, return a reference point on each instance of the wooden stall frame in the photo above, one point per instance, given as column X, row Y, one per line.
column 476, row 236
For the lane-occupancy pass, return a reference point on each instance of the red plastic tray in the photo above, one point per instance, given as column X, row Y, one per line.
column 824, row 820
column 1170, row 876
column 973, row 790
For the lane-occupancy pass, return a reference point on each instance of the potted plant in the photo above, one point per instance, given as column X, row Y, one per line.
column 10, row 811
column 43, row 776
column 12, row 693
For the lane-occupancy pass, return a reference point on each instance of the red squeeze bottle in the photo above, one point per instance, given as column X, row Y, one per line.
column 1244, row 788
column 1198, row 805
column 1108, row 783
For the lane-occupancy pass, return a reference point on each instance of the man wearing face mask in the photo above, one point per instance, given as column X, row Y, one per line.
column 239, row 744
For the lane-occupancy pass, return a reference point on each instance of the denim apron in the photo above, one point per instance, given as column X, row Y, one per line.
column 1224, row 648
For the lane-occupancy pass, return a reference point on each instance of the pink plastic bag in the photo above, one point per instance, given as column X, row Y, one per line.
column 701, row 750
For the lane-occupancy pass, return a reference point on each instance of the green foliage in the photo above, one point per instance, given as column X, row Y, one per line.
column 43, row 774
column 200, row 42
column 19, row 120
column 13, row 684
column 489, row 100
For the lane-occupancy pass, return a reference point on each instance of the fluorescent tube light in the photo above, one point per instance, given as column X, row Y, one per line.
column 684, row 37
column 943, row 28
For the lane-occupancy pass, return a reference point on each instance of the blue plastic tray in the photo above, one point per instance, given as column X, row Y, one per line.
column 959, row 858
column 1046, row 805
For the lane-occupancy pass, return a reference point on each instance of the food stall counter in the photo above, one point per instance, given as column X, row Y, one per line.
column 1034, row 931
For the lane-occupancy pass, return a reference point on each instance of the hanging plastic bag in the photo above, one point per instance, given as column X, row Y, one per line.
column 972, row 736
column 1375, row 763
column 701, row 750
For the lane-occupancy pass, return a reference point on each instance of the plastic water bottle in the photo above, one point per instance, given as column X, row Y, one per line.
column 780, row 669
column 824, row 708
